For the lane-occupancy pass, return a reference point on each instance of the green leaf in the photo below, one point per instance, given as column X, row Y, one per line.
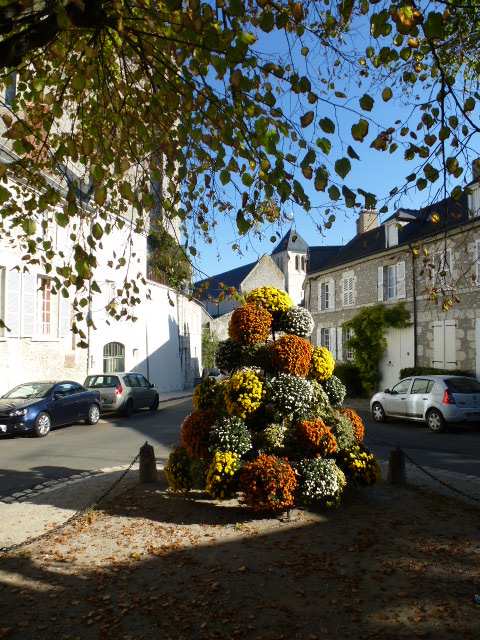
column 325, row 145
column 97, row 231
column 247, row 179
column 308, row 159
column 360, row 130
column 321, row 179
column 343, row 167
column 61, row 219
column 469, row 104
column 225, row 177
column 346, row 8
column 457, row 193
column 4, row 194
column 243, row 225
column 327, row 125
column 352, row 153
column 433, row 27
column 267, row 21
column 334, row 193
column 349, row 197
column 366, row 102
column 29, row 226
column 100, row 196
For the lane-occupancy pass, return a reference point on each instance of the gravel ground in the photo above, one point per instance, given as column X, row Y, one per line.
column 394, row 561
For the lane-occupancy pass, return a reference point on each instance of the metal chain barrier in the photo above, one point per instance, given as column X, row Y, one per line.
column 419, row 466
column 78, row 514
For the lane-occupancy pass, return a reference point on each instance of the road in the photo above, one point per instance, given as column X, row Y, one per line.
column 27, row 461
column 455, row 450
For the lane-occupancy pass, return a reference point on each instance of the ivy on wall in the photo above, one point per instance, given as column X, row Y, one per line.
column 369, row 342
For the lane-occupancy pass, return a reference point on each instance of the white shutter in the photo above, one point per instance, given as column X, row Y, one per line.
column 319, row 301
column 319, row 336
column 450, row 347
column 477, row 259
column 29, row 294
column 333, row 342
column 331, row 296
column 380, row 295
column 12, row 316
column 64, row 316
column 351, row 290
column 401, row 280
column 438, row 345
column 339, row 344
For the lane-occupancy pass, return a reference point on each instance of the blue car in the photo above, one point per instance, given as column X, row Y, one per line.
column 39, row 406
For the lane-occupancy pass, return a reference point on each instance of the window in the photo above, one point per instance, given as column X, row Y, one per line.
column 11, row 90
column 110, row 296
column 477, row 261
column 297, row 263
column 303, row 263
column 441, row 269
column 113, row 357
column 348, row 289
column 391, row 282
column 325, row 338
column 47, row 308
column 421, row 385
column 402, row 387
column 326, row 296
column 143, row 382
column 348, row 351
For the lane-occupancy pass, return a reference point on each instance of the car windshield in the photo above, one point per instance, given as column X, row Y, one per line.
column 101, row 382
column 463, row 385
column 30, row 390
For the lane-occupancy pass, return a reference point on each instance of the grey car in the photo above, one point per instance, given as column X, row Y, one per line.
column 124, row 392
column 436, row 400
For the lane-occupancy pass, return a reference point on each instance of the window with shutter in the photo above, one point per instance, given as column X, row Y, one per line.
column 47, row 309
column 441, row 274
column 29, row 285
column 477, row 260
column 12, row 302
column 2, row 301
column 348, row 291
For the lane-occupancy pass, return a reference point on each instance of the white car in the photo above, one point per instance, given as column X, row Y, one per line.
column 436, row 400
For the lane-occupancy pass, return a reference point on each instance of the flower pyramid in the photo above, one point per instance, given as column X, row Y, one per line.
column 274, row 433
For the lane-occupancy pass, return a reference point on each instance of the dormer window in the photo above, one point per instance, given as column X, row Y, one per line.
column 391, row 234
column 474, row 200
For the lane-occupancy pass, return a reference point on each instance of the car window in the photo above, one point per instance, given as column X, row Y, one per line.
column 102, row 382
column 463, row 385
column 131, row 380
column 421, row 385
column 142, row 381
column 30, row 390
column 65, row 389
column 402, row 386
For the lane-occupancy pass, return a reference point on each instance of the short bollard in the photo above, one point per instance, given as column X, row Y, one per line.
column 396, row 467
column 148, row 467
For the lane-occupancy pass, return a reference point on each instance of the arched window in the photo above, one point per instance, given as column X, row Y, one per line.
column 303, row 263
column 297, row 263
column 113, row 357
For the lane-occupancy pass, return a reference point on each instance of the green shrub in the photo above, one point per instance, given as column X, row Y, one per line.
column 431, row 371
column 349, row 374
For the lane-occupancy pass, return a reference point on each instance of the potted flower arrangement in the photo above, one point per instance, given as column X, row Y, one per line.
column 273, row 434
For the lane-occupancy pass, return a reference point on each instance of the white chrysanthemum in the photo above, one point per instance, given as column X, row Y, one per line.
column 298, row 321
column 291, row 394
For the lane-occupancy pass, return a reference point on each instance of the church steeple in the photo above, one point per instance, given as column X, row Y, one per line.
column 290, row 255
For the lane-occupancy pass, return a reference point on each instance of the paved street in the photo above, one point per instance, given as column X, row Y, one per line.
column 28, row 461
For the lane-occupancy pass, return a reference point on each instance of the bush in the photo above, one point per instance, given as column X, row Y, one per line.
column 250, row 324
column 244, row 392
column 349, row 375
column 222, row 475
column 321, row 482
column 322, row 364
column 341, row 427
column 297, row 320
column 271, row 439
column 228, row 355
column 230, row 434
column 204, row 396
column 360, row 466
column 431, row 371
column 316, row 437
column 291, row 354
column 196, row 432
column 291, row 394
column 177, row 470
column 358, row 427
column 268, row 484
column 335, row 390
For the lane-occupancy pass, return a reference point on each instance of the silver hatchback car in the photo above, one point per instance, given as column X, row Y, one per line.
column 124, row 392
column 436, row 400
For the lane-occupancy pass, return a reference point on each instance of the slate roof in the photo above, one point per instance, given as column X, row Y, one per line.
column 452, row 214
column 232, row 278
column 291, row 241
column 318, row 256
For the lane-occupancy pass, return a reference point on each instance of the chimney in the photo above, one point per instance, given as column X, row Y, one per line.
column 368, row 220
column 476, row 169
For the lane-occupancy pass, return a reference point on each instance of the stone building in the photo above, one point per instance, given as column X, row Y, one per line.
column 423, row 258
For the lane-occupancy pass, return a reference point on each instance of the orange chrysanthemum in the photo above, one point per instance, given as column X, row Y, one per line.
column 291, row 354
column 268, row 484
column 317, row 437
column 196, row 431
column 250, row 324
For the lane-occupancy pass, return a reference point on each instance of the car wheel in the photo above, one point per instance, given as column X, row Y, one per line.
column 128, row 408
column 155, row 403
column 93, row 414
column 435, row 420
column 378, row 412
column 43, row 424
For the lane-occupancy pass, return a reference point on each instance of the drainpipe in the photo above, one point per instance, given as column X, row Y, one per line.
column 414, row 293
